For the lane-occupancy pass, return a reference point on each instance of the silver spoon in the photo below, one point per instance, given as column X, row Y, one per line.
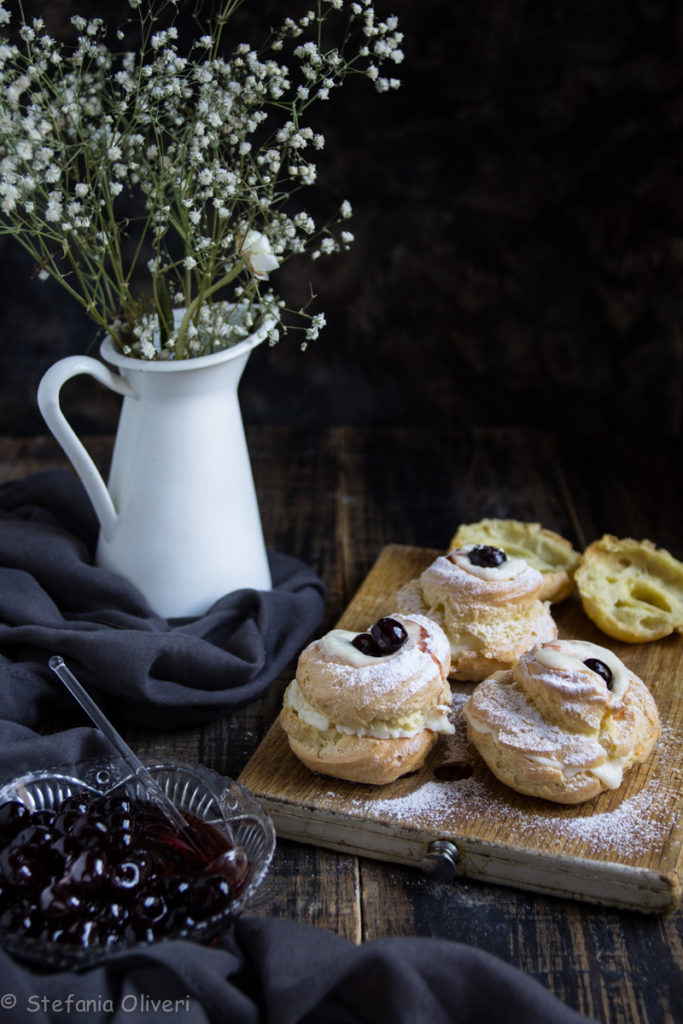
column 150, row 785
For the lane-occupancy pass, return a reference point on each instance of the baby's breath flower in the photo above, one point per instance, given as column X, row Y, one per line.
column 209, row 147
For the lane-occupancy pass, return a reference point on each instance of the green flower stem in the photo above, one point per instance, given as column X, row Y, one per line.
column 198, row 302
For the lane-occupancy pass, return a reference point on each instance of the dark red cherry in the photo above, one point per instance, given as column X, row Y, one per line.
column 82, row 932
column 125, row 877
column 79, row 803
column 59, row 902
column 602, row 670
column 13, row 816
column 45, row 817
column 88, row 869
column 209, row 894
column 366, row 644
column 175, row 888
column 112, row 917
column 35, row 836
column 486, row 556
column 23, row 916
column 22, row 866
column 151, row 907
column 65, row 821
column 233, row 866
column 389, row 634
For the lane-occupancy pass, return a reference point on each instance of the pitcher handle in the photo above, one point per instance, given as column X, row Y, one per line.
column 48, row 403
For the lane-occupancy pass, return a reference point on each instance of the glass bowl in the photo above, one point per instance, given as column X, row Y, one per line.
column 197, row 791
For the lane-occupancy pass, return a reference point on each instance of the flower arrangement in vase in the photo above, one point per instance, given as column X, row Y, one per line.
column 184, row 157
column 180, row 162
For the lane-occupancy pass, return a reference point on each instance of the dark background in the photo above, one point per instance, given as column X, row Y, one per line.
column 519, row 234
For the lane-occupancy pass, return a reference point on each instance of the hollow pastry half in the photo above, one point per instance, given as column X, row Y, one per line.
column 488, row 605
column 368, row 707
column 631, row 589
column 565, row 723
column 542, row 549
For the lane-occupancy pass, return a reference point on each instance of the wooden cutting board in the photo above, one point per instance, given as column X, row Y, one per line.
column 622, row 849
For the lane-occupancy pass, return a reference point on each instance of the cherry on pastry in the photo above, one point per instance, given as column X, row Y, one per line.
column 487, row 556
column 603, row 670
column 366, row 644
column 386, row 636
column 389, row 634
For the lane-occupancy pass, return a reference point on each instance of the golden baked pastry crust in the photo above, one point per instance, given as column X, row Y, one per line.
column 548, row 552
column 551, row 728
column 489, row 622
column 369, row 719
column 632, row 590
column 355, row 758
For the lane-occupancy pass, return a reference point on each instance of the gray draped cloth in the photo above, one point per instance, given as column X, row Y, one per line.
column 54, row 601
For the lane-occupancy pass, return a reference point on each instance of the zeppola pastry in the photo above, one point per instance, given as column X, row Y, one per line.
column 565, row 723
column 542, row 549
column 487, row 604
column 632, row 590
column 368, row 707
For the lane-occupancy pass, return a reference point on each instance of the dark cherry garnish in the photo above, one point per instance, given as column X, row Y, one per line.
column 453, row 771
column 366, row 644
column 386, row 636
column 105, row 870
column 486, row 556
column 602, row 670
column 389, row 634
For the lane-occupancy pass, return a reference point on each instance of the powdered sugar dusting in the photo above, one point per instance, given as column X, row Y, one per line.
column 622, row 826
column 446, row 576
column 410, row 668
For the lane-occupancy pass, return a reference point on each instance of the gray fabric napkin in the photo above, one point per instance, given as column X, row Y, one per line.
column 160, row 673
column 280, row 972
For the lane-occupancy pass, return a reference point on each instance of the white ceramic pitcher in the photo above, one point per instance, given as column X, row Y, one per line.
column 180, row 518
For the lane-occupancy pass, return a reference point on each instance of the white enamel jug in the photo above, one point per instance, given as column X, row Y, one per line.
column 180, row 517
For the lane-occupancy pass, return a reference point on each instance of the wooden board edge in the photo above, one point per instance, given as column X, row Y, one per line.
column 614, row 885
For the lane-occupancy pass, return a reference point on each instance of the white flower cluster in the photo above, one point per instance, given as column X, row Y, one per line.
column 188, row 156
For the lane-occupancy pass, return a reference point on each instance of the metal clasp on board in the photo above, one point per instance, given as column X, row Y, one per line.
column 440, row 860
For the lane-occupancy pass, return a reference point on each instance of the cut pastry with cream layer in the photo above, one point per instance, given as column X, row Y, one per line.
column 370, row 717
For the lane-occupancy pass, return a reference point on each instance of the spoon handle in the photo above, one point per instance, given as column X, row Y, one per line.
column 154, row 790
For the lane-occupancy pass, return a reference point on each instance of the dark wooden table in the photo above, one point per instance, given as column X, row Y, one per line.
column 334, row 500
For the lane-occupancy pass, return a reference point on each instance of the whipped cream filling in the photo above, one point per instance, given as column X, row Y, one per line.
column 507, row 570
column 610, row 772
column 337, row 644
column 435, row 719
column 562, row 658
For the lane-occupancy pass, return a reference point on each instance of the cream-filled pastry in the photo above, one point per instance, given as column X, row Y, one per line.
column 488, row 605
column 565, row 723
column 368, row 707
